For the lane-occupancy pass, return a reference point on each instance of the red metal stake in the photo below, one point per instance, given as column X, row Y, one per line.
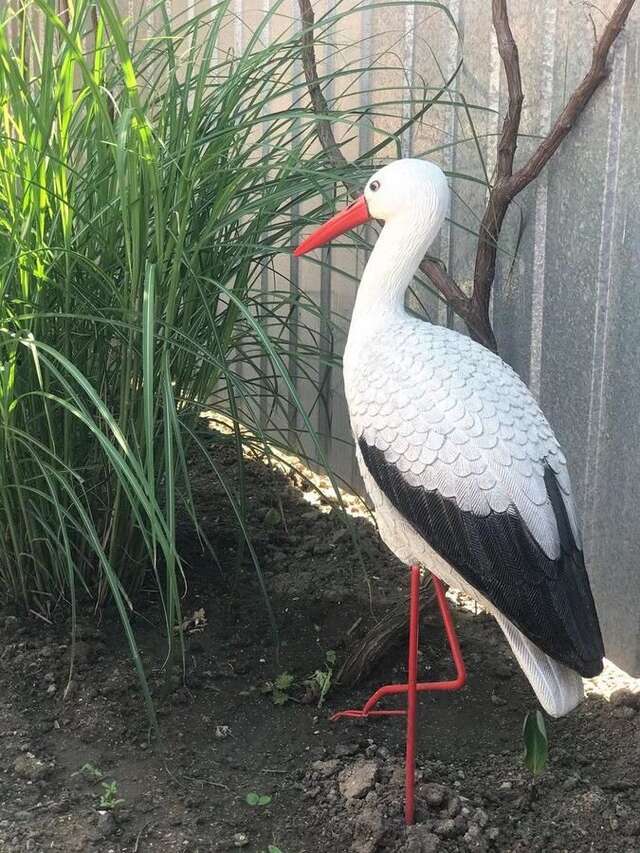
column 412, row 696
column 413, row 686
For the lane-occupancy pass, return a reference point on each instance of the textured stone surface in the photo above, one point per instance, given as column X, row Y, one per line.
column 29, row 767
column 421, row 840
column 356, row 781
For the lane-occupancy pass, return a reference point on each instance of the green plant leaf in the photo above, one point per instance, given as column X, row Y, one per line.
column 272, row 517
column 90, row 772
column 254, row 799
column 536, row 745
column 279, row 697
column 284, row 681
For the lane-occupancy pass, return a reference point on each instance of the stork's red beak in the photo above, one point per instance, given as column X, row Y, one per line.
column 354, row 215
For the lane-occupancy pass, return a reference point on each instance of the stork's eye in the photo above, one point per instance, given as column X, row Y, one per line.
column 374, row 186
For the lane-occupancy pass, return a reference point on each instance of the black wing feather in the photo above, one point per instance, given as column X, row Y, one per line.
column 550, row 601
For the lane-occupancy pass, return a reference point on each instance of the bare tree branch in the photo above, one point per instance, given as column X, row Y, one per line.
column 474, row 310
column 445, row 284
column 318, row 100
column 577, row 102
column 508, row 51
column 499, row 196
column 507, row 184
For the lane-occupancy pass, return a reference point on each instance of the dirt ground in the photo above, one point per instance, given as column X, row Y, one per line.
column 227, row 733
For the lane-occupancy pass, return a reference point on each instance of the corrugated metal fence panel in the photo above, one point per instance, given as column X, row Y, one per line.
column 567, row 304
column 567, row 320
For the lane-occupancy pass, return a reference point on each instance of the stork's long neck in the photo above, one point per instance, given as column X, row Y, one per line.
column 392, row 264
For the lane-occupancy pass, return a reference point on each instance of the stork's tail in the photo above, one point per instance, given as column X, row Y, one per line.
column 558, row 688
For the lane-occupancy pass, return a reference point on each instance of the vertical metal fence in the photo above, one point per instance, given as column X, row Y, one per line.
column 567, row 308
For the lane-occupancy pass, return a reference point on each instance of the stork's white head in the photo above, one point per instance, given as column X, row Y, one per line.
column 406, row 190
column 405, row 185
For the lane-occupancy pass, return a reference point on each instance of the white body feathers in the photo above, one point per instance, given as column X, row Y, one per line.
column 454, row 418
column 449, row 415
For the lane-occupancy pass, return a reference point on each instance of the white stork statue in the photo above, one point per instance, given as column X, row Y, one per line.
column 464, row 471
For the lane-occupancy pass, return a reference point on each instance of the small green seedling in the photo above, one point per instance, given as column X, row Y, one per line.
column 272, row 517
column 90, row 772
column 536, row 743
column 319, row 683
column 279, row 688
column 273, row 849
column 254, row 799
column 316, row 686
column 109, row 799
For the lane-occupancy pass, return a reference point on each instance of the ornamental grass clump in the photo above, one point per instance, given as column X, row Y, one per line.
column 147, row 178
column 149, row 175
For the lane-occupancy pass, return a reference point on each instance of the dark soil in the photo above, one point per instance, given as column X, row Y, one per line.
column 332, row 786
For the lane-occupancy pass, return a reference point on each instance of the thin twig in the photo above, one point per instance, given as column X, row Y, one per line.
column 508, row 51
column 318, row 100
column 40, row 616
column 354, row 626
column 577, row 102
column 499, row 196
column 146, row 826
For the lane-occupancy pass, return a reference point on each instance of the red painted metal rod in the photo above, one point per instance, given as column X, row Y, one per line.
column 412, row 697
column 452, row 638
column 413, row 686
column 393, row 689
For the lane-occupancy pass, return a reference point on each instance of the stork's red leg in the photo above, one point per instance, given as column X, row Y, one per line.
column 413, row 686
column 412, row 695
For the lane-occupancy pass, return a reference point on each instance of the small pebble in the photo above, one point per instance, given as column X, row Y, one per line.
column 624, row 712
column 435, row 795
column 10, row 625
column 625, row 697
column 481, row 817
column 29, row 767
column 358, row 780
column 106, row 824
column 453, row 807
column 446, row 828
